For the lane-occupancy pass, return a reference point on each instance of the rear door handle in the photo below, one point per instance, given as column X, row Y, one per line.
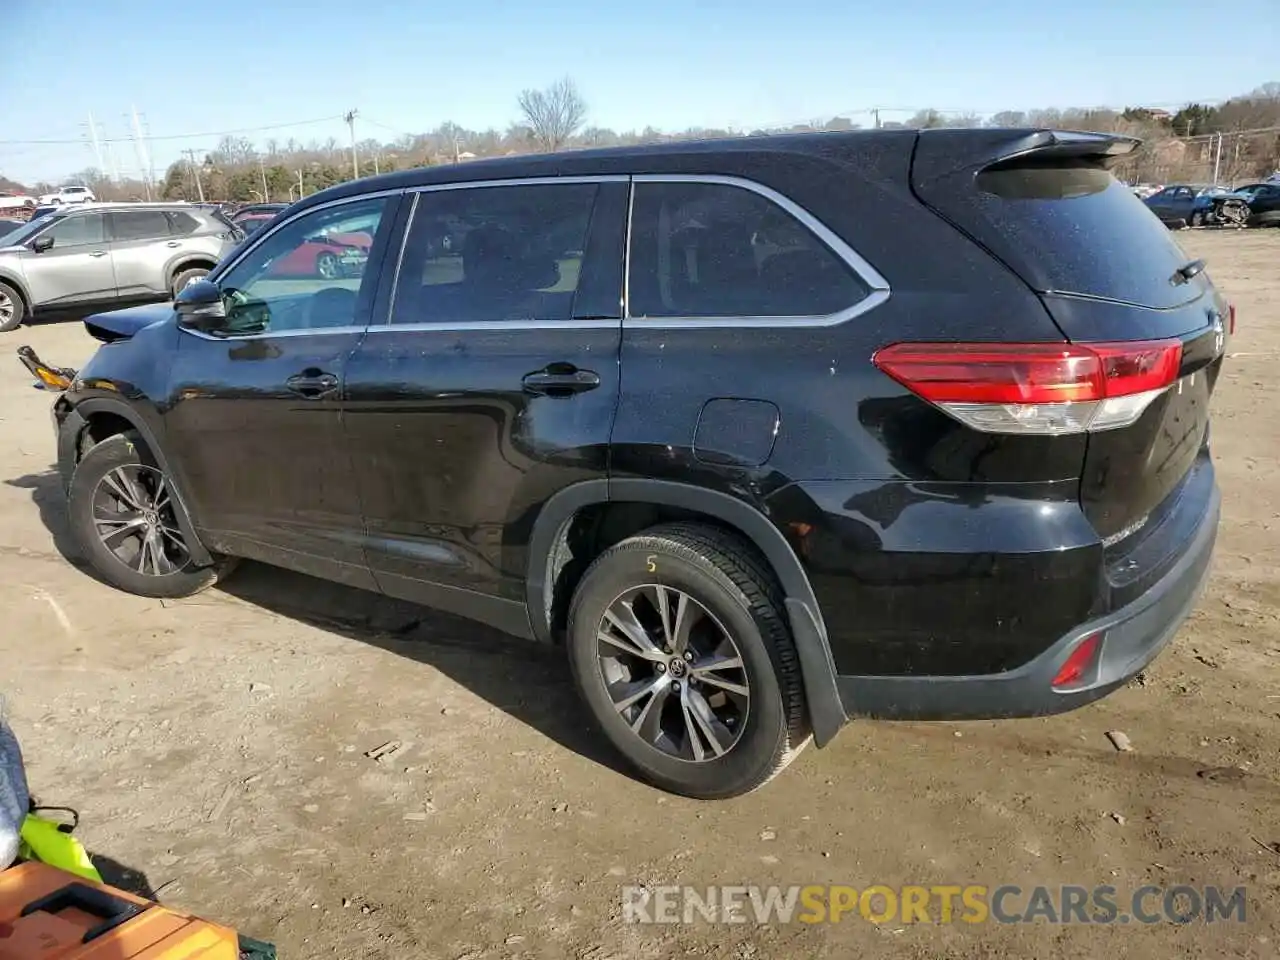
column 560, row 380
column 313, row 384
column 98, row 253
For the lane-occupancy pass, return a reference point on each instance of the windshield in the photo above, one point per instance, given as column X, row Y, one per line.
column 27, row 230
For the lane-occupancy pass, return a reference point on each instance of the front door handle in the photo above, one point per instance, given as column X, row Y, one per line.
column 98, row 253
column 560, row 380
column 313, row 384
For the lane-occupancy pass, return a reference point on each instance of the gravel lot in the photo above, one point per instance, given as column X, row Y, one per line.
column 216, row 749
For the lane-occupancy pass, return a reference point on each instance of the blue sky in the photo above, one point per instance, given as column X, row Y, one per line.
column 236, row 64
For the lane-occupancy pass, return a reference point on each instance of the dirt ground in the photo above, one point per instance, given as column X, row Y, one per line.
column 216, row 748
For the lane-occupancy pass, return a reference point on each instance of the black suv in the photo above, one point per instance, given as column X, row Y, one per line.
column 767, row 433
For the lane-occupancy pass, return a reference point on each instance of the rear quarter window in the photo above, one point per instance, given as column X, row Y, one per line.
column 721, row 250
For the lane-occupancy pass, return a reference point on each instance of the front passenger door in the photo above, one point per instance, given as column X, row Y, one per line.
column 77, row 268
column 255, row 407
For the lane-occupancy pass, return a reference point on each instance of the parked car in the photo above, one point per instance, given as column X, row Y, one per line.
column 8, row 226
column 1261, row 203
column 106, row 253
column 11, row 203
column 1184, row 204
column 977, row 486
column 72, row 193
column 251, row 222
column 258, row 209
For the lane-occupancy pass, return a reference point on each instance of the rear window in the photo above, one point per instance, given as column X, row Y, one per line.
column 1071, row 229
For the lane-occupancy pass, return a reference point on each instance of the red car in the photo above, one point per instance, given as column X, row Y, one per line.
column 326, row 255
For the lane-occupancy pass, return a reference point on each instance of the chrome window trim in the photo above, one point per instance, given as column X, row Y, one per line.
column 879, row 290
column 236, row 337
column 521, row 182
column 261, row 239
column 878, row 286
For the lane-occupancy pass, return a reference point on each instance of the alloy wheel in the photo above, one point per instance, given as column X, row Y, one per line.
column 134, row 519
column 6, row 308
column 327, row 266
column 673, row 672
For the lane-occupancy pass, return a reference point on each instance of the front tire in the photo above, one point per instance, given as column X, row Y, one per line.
column 121, row 513
column 680, row 648
column 1197, row 218
column 12, row 310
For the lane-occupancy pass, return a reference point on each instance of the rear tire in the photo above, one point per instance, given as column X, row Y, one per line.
column 184, row 277
column 709, row 729
column 121, row 515
column 12, row 308
column 1197, row 218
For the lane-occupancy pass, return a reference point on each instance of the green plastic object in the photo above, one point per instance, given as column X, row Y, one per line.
column 49, row 842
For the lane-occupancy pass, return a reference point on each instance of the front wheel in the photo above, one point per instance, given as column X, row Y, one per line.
column 122, row 514
column 681, row 651
column 1197, row 218
column 12, row 309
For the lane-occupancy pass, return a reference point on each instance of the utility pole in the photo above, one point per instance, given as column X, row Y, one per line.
column 376, row 169
column 140, row 148
column 266, row 196
column 1217, row 159
column 301, row 187
column 195, row 172
column 875, row 112
column 113, row 169
column 350, row 117
column 97, row 144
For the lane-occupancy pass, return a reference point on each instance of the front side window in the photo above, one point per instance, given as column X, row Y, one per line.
column 718, row 250
column 494, row 253
column 76, row 231
column 306, row 275
column 139, row 225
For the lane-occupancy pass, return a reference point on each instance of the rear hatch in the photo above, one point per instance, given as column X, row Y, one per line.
column 1106, row 270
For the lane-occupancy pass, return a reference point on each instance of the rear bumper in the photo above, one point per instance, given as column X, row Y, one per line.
column 1131, row 638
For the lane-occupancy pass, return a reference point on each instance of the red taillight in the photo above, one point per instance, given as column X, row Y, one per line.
column 1078, row 665
column 1036, row 387
column 1231, row 318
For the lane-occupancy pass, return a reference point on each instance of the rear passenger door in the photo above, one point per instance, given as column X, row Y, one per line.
column 141, row 246
column 492, row 387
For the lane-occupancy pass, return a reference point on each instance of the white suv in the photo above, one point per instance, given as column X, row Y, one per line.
column 68, row 194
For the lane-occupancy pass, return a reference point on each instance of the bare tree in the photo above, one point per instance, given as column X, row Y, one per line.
column 553, row 115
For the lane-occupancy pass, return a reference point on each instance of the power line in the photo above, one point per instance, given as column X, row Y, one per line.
column 181, row 136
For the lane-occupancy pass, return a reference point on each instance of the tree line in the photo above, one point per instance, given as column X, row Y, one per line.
column 1239, row 138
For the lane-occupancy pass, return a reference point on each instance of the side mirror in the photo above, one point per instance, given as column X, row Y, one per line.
column 42, row 243
column 200, row 306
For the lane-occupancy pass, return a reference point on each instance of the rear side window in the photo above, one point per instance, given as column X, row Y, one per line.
column 494, row 253
column 182, row 224
column 139, row 225
column 718, row 250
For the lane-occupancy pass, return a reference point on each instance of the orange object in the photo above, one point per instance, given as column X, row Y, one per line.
column 47, row 914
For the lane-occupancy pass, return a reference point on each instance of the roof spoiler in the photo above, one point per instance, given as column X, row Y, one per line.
column 941, row 153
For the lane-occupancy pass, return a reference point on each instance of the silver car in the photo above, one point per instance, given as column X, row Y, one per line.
column 105, row 254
